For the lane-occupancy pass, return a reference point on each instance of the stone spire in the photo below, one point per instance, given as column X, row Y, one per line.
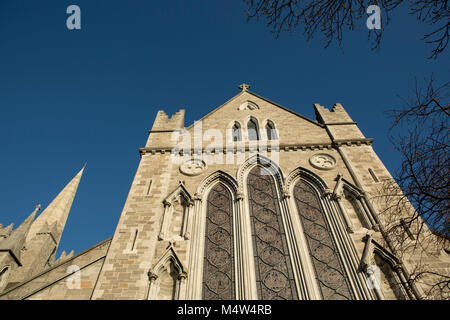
column 16, row 239
column 55, row 215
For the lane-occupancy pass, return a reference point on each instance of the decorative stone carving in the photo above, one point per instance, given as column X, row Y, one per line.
column 248, row 105
column 322, row 161
column 218, row 175
column 192, row 167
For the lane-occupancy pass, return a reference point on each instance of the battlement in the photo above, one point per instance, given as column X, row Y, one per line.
column 163, row 122
column 336, row 115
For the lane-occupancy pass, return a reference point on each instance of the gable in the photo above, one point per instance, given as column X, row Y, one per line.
column 292, row 127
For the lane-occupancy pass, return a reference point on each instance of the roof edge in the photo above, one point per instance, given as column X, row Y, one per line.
column 262, row 98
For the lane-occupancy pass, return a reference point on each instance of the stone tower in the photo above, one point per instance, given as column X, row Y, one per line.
column 253, row 201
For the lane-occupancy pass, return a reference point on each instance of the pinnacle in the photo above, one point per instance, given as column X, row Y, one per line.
column 54, row 217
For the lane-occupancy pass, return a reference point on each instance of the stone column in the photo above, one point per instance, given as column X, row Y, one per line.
column 152, row 288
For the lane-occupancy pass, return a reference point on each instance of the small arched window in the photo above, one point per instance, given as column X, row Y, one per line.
column 237, row 132
column 270, row 130
column 252, row 128
column 389, row 282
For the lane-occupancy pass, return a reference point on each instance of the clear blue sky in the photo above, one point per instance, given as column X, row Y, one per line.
column 67, row 97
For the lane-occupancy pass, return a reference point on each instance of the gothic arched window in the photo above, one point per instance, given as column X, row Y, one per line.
column 274, row 275
column 330, row 274
column 252, row 127
column 237, row 132
column 168, row 281
column 167, row 278
column 390, row 286
column 270, row 130
column 218, row 270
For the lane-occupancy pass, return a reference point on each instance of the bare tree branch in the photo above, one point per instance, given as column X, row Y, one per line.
column 332, row 17
column 418, row 198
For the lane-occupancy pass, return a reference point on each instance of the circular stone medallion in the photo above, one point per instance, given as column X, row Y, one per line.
column 322, row 161
column 192, row 167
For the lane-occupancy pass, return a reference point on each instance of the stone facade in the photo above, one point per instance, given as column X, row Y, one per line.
column 304, row 196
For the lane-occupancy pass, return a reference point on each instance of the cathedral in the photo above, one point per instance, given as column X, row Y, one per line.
column 252, row 202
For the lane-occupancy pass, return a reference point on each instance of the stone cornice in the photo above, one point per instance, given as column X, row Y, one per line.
column 339, row 142
column 166, row 130
column 268, row 148
column 339, row 123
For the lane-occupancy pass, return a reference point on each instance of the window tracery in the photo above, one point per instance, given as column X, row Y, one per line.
column 218, row 269
column 274, row 275
column 330, row 274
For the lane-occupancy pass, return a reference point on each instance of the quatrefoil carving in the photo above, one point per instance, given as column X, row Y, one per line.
column 322, row 161
column 193, row 167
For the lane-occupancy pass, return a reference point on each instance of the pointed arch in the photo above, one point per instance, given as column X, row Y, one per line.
column 270, row 237
column 389, row 281
column 273, row 266
column 271, row 131
column 176, row 212
column 258, row 159
column 328, row 268
column 213, row 245
column 326, row 251
column 352, row 195
column 218, row 268
column 313, row 178
column 213, row 178
column 253, row 129
column 236, row 131
column 167, row 277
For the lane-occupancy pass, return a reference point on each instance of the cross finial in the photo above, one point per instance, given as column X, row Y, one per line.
column 244, row 87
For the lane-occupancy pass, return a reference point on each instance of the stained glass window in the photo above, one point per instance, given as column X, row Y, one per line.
column 218, row 272
column 330, row 274
column 274, row 277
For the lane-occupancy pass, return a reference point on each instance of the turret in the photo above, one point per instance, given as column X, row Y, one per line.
column 164, row 127
column 340, row 125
